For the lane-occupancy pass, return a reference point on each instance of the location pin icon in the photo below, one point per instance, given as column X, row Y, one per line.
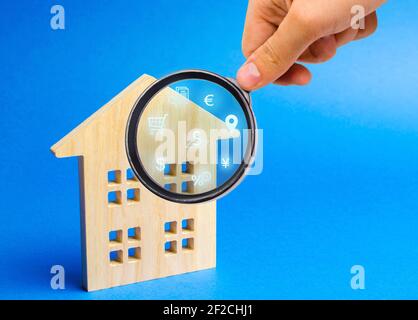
column 231, row 121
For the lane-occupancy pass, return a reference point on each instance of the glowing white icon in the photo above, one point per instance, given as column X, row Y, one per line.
column 155, row 124
column 202, row 178
column 184, row 91
column 231, row 121
column 160, row 164
column 209, row 100
column 225, row 162
column 195, row 140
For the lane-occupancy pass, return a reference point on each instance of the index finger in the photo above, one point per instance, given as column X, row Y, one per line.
column 256, row 29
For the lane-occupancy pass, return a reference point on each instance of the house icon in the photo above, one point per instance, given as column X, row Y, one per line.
column 128, row 233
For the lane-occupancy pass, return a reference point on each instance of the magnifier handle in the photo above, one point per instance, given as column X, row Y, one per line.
column 244, row 92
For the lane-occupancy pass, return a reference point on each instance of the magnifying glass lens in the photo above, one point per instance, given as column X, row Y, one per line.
column 192, row 137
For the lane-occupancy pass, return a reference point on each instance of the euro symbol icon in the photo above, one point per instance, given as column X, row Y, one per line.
column 209, row 100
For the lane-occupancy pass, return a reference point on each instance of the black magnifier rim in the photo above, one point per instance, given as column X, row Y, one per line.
column 135, row 116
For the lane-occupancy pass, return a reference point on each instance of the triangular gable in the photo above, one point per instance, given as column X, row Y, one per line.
column 73, row 143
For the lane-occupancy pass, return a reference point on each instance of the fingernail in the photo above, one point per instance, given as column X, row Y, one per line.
column 248, row 75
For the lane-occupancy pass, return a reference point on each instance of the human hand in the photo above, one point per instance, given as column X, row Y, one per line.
column 278, row 33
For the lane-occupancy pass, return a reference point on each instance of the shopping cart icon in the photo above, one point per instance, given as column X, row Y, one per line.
column 156, row 124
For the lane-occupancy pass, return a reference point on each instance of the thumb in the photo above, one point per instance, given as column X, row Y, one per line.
column 275, row 56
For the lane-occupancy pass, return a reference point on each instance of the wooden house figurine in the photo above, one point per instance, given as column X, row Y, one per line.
column 128, row 233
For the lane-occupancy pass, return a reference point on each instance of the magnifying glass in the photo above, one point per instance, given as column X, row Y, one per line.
column 191, row 136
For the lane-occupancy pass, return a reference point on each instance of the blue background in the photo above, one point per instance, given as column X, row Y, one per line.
column 340, row 179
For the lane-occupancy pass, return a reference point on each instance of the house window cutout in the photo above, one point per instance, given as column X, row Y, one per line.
column 187, row 244
column 170, row 227
column 114, row 197
column 170, row 170
column 186, row 167
column 187, row 187
column 130, row 176
column 132, row 195
column 134, row 254
column 114, row 177
column 170, row 247
column 170, row 186
column 116, row 257
column 187, row 225
column 134, row 233
column 115, row 236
